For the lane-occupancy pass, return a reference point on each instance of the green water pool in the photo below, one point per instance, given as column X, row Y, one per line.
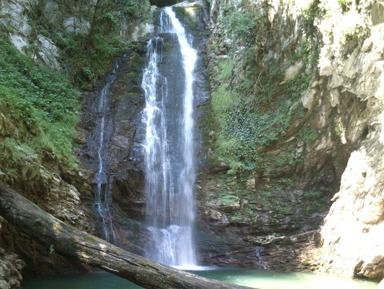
column 251, row 278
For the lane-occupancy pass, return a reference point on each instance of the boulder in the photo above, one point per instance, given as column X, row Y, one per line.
column 47, row 53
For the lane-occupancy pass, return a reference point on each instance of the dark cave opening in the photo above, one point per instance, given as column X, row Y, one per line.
column 163, row 3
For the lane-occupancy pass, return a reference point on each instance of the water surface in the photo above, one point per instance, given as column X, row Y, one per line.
column 255, row 279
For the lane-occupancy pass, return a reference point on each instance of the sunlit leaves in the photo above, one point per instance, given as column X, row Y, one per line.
column 40, row 102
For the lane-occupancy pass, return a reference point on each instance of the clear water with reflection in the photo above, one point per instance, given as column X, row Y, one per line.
column 255, row 279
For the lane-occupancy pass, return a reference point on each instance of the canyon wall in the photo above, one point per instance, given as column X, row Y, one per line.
column 66, row 188
column 41, row 137
column 334, row 50
column 290, row 143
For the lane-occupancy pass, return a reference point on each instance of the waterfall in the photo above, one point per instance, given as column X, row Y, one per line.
column 104, row 181
column 169, row 148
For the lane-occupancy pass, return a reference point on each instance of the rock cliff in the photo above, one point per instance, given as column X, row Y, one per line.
column 291, row 143
column 334, row 49
column 351, row 65
column 39, row 116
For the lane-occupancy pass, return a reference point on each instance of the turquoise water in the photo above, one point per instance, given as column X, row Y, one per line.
column 275, row 280
column 257, row 279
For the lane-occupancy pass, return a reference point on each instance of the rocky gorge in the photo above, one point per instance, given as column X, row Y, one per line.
column 289, row 116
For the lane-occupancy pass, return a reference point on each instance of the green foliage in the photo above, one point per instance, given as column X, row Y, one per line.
column 87, row 56
column 41, row 103
column 226, row 68
column 15, row 152
column 310, row 50
column 345, row 5
column 228, row 199
column 253, row 108
column 137, row 9
column 85, row 64
column 274, row 198
column 250, row 30
column 310, row 54
column 188, row 17
column 313, row 195
column 223, row 99
column 88, row 63
column 240, row 25
column 316, row 200
column 296, row 86
column 244, row 128
column 310, row 15
column 308, row 135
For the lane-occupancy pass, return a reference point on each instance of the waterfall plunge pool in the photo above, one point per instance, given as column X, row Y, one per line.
column 251, row 278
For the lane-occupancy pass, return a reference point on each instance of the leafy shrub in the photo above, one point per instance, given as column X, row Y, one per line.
column 239, row 25
column 87, row 56
column 253, row 108
column 247, row 125
column 41, row 103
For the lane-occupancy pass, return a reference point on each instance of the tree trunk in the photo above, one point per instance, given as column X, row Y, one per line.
column 71, row 242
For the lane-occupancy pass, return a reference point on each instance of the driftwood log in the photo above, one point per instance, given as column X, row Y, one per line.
column 73, row 243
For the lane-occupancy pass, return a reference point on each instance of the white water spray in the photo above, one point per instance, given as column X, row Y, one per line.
column 169, row 152
column 103, row 191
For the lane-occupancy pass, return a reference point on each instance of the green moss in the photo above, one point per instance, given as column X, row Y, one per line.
column 247, row 124
column 236, row 218
column 228, row 199
column 308, row 135
column 136, row 61
column 187, row 16
column 226, row 68
column 241, row 26
column 316, row 200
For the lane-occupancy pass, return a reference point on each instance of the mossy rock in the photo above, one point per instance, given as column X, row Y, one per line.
column 189, row 16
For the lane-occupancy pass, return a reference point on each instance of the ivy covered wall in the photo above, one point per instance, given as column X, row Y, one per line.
column 296, row 91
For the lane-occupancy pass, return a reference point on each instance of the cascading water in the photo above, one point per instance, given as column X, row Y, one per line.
column 169, row 147
column 104, row 181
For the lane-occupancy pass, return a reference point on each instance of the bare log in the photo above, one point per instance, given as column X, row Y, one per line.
column 71, row 242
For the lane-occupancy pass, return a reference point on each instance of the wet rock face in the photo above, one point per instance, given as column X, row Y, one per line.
column 128, row 134
column 268, row 252
column 124, row 132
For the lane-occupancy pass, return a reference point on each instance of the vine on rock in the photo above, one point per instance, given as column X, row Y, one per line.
column 254, row 106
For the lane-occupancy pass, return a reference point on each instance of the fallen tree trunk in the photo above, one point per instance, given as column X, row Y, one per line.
column 69, row 241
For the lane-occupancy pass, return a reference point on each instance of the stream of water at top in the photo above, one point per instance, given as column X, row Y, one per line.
column 169, row 147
